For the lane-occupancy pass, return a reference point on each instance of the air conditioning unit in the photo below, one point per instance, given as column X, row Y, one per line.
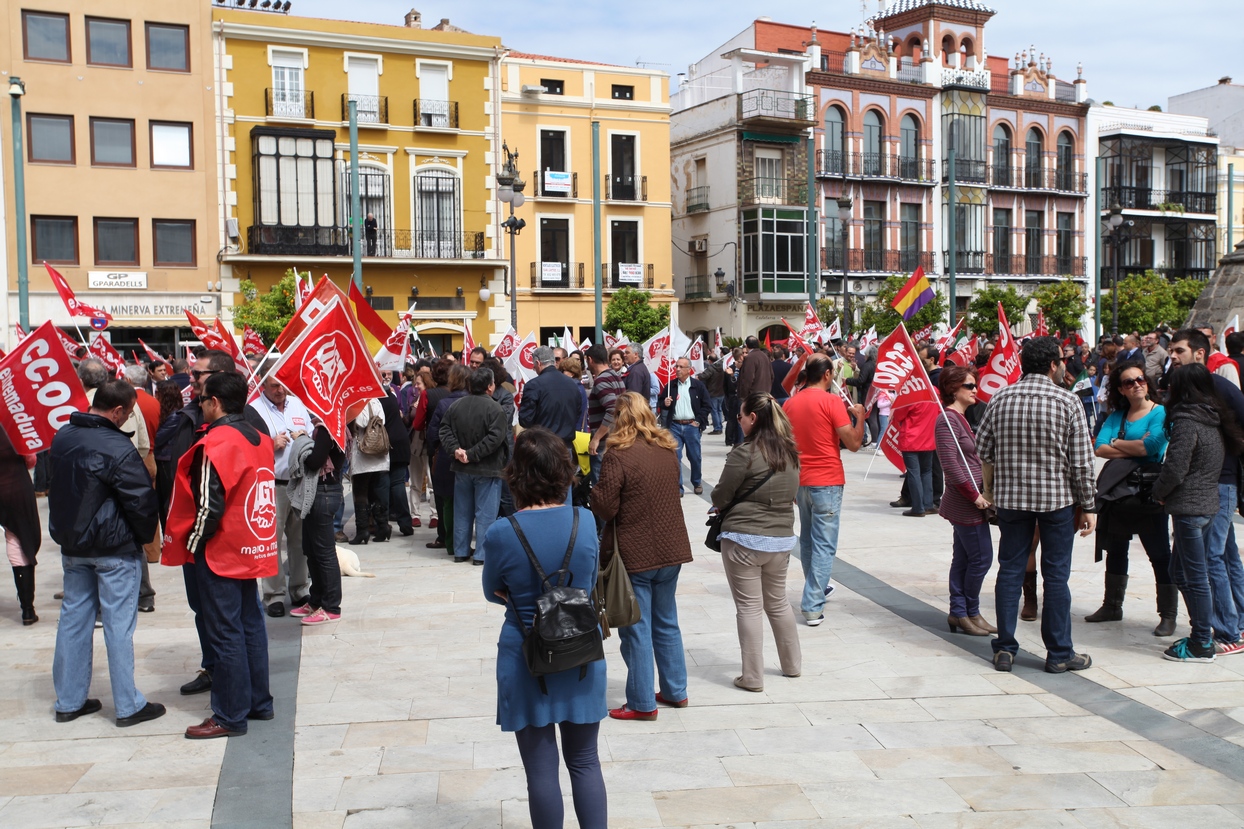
column 231, row 228
column 532, row 89
column 699, row 245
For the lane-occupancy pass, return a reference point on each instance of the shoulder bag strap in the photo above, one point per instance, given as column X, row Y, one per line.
column 564, row 572
column 738, row 499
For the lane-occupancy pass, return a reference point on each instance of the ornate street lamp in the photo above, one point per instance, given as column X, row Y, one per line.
column 510, row 190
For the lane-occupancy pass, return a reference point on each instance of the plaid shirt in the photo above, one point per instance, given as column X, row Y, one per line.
column 1035, row 435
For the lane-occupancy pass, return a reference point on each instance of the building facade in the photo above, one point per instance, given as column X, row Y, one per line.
column 119, row 159
column 428, row 138
column 1222, row 105
column 549, row 106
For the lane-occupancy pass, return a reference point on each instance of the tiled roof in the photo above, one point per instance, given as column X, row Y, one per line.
column 900, row 6
column 530, row 56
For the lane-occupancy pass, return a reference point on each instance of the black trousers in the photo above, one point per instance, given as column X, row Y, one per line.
column 1155, row 537
column 399, row 504
column 371, row 501
column 730, row 410
column 320, row 548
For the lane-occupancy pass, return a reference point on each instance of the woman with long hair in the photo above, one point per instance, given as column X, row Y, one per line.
column 638, row 498
column 963, row 505
column 757, row 491
column 1200, row 428
column 572, row 367
column 1134, row 433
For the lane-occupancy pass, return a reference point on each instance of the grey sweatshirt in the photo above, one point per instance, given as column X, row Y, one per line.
column 1189, row 480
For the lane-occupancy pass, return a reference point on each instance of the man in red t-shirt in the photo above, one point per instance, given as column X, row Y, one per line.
column 820, row 420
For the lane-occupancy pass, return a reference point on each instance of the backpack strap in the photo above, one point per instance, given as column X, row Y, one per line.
column 531, row 556
column 564, row 571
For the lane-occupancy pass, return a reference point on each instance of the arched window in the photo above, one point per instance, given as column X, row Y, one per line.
column 438, row 206
column 949, row 50
column 967, row 51
column 374, row 201
column 909, row 148
column 873, row 145
column 1066, row 162
column 1001, row 156
column 1032, row 159
column 832, row 156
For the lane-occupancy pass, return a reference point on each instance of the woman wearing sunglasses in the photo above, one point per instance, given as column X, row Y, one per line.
column 1134, row 431
column 962, row 503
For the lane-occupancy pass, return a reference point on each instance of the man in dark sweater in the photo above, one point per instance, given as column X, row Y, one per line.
column 756, row 373
column 637, row 378
column 780, row 369
column 714, row 379
column 473, row 433
column 551, row 400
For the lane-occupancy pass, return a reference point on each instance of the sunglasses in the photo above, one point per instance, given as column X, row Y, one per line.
column 971, row 386
column 1135, row 381
column 197, row 374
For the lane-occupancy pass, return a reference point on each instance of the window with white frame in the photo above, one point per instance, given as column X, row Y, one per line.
column 438, row 204
column 434, row 105
column 294, row 181
column 288, row 94
column 364, row 81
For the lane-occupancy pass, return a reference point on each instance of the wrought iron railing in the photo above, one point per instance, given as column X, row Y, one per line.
column 626, row 188
column 999, row 84
column 875, row 165
column 974, row 78
column 763, row 190
column 1166, row 201
column 371, row 109
column 628, row 275
column 286, row 103
column 385, row 243
column 967, row 170
column 911, row 74
column 433, row 113
column 1173, row 274
column 774, row 103
column 878, row 261
column 538, row 189
column 542, row 277
column 697, row 287
column 1038, row 178
column 697, row 199
column 834, row 62
column 1002, row 264
column 966, row 261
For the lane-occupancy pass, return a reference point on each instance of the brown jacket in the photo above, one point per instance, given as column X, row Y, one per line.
column 755, row 374
column 638, row 491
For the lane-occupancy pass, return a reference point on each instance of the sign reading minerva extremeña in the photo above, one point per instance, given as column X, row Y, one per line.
column 40, row 390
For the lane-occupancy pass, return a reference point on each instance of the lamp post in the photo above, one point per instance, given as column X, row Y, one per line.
column 510, row 190
column 1118, row 235
column 16, row 90
column 844, row 218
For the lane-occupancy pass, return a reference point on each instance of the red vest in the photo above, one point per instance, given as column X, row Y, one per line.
column 245, row 544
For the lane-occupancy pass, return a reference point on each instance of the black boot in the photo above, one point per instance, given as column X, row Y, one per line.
column 1168, row 609
column 1111, row 609
column 24, row 578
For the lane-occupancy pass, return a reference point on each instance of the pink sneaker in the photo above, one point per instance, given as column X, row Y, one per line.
column 320, row 617
column 1228, row 648
column 302, row 610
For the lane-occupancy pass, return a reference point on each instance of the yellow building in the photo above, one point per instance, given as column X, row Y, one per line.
column 548, row 106
column 425, row 101
column 119, row 158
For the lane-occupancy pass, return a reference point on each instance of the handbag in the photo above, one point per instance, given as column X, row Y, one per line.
column 375, row 437
column 712, row 539
column 616, row 602
column 1142, row 479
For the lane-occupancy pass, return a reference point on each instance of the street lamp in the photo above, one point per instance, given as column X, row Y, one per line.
column 1118, row 236
column 510, row 190
column 844, row 219
column 16, row 90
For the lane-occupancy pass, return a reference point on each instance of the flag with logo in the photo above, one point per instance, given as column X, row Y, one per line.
column 506, row 347
column 521, row 364
column 1003, row 367
column 869, row 338
column 40, row 389
column 67, row 342
column 1231, row 328
column 948, row 339
column 252, row 343
column 965, row 352
column 313, row 304
column 889, row 446
column 914, row 295
column 468, row 342
column 1043, row 330
column 75, row 308
column 393, row 355
column 206, row 335
column 833, row 332
column 152, row 356
column 812, row 326
column 655, row 353
column 922, row 334
column 103, row 351
column 896, row 362
column 717, row 343
column 797, row 340
column 21, row 332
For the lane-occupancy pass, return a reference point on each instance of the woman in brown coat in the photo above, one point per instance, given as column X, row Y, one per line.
column 638, row 496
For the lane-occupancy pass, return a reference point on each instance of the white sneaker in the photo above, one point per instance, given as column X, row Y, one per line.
column 813, row 621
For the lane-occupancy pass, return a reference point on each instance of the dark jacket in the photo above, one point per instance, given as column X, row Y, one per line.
column 1189, row 481
column 699, row 403
column 863, row 378
column 399, row 435
column 442, row 475
column 638, row 379
column 714, row 379
column 553, row 401
column 770, row 509
column 638, row 494
column 477, row 424
column 1230, row 394
column 756, row 373
column 779, row 369
column 101, row 502
column 505, row 399
column 19, row 513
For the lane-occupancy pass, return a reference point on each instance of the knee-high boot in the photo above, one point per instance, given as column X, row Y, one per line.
column 1029, row 611
column 1111, row 609
column 1168, row 609
column 24, row 579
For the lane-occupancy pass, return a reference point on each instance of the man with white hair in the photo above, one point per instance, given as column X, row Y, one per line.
column 552, row 399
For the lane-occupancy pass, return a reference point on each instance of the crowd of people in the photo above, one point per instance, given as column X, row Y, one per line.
column 588, row 464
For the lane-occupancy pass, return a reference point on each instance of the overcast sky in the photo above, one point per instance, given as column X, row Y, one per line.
column 1135, row 52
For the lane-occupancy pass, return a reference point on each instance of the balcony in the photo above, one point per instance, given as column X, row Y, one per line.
column 388, row 243
column 1176, row 202
column 774, row 108
column 1034, row 178
column 971, row 78
column 1173, row 274
column 440, row 114
column 540, row 190
column 697, row 199
column 371, row 109
column 967, row 170
column 833, row 62
column 878, row 261
column 623, row 188
column 628, row 275
column 1015, row 264
column 289, row 103
column 836, row 164
column 773, row 191
column 547, row 276
column 697, row 287
column 966, row 261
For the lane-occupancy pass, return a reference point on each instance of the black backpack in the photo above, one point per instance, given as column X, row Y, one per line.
column 565, row 633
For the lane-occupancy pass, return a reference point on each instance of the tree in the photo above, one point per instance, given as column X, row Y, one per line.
column 266, row 313
column 881, row 313
column 631, row 310
column 1063, row 304
column 1148, row 300
column 983, row 309
column 1184, row 294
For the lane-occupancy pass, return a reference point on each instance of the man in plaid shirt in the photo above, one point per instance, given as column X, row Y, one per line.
column 1036, row 439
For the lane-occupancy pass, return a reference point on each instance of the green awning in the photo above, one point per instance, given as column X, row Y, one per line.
column 778, row 139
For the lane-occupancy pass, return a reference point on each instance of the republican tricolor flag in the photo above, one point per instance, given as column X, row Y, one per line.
column 914, row 295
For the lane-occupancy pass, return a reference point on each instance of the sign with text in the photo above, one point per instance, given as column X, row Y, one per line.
column 632, row 274
column 551, row 271
column 557, row 182
column 40, row 390
column 116, row 280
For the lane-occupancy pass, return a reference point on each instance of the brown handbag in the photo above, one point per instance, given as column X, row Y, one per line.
column 618, row 606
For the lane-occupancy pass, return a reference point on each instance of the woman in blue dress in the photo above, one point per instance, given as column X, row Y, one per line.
column 539, row 475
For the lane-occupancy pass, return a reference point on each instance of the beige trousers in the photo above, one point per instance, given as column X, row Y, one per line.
column 758, row 584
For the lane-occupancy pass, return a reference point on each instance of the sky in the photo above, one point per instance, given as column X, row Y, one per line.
column 1135, row 52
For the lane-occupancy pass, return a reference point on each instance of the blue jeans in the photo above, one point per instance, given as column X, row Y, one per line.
column 476, row 501
column 655, row 636
column 688, row 435
column 107, row 585
column 919, row 480
column 1057, row 535
column 1226, row 574
column 971, row 558
column 820, row 511
column 1188, row 572
column 716, row 403
column 537, row 745
column 234, row 617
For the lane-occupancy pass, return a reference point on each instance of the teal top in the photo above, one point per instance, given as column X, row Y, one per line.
column 1149, row 428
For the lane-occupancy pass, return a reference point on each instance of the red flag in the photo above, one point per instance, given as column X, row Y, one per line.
column 103, row 351
column 792, row 376
column 393, row 354
column 796, row 339
column 767, row 344
column 70, row 345
column 468, row 343
column 896, row 360
column 966, row 356
column 917, row 389
column 75, row 308
column 206, row 335
column 313, row 305
column 1003, row 367
column 153, row 357
column 329, row 370
column 367, row 316
column 252, row 343
column 922, row 335
column 889, row 446
column 506, row 347
column 812, row 326
column 1043, row 330
column 21, row 332
column 40, row 390
column 226, row 337
column 945, row 342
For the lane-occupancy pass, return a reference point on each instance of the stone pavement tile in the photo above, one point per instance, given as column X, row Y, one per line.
column 1058, row 758
column 471, row 815
column 1028, row 819
column 1162, row 757
column 985, row 708
column 697, row 717
column 627, row 810
column 662, row 775
column 502, row 753
column 380, row 690
column 79, row 809
column 819, row 689
column 747, row 803
column 379, row 791
column 337, row 762
column 308, row 737
column 1159, row 817
column 184, row 803
column 886, row 822
column 1010, row 683
column 316, row 794
column 810, row 739
column 804, row 767
column 1032, row 791
column 936, row 686
column 463, row 730
column 489, row 785
column 1058, row 705
column 960, row 664
column 940, row 733
column 881, row 798
column 1157, row 671
column 931, row 763
column 674, row 746
column 438, row 757
column 144, row 774
column 1066, row 730
column 397, row 733
column 858, row 711
column 1235, row 808
column 32, row 779
column 176, row 747
column 53, row 752
column 327, row 713
column 1176, row 787
column 319, row 820
column 1208, row 695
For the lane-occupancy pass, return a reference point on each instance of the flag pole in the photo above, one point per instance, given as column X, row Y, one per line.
column 873, row 459
column 959, row 446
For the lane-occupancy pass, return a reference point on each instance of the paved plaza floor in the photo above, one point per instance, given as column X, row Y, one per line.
column 387, row 718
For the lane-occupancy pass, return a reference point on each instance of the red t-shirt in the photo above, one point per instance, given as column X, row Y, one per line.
column 815, row 416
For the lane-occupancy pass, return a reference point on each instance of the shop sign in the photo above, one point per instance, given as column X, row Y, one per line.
column 116, row 280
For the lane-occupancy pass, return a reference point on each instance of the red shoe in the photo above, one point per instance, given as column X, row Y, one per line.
column 415, row 522
column 209, row 729
column 682, row 703
column 432, row 522
column 625, row 713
